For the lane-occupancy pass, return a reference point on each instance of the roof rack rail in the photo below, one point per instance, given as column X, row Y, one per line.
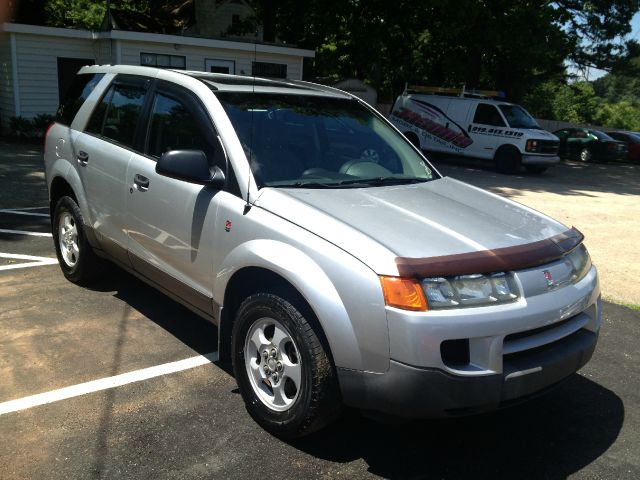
column 459, row 92
column 320, row 87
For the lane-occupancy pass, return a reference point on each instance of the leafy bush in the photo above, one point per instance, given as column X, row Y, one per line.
column 20, row 126
column 40, row 123
column 34, row 128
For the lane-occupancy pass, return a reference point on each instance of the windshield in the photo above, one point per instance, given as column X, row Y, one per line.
column 518, row 117
column 600, row 135
column 633, row 138
column 307, row 141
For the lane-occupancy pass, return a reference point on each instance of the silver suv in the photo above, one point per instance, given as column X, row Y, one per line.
column 339, row 265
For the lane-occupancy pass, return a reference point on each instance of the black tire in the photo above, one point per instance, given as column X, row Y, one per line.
column 585, row 155
column 508, row 160
column 317, row 400
column 536, row 169
column 86, row 264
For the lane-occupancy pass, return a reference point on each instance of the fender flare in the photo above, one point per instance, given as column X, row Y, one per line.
column 308, row 278
column 63, row 169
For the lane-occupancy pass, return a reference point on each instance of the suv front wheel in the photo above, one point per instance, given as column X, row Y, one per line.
column 76, row 258
column 284, row 371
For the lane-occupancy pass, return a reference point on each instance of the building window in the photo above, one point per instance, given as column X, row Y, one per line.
column 160, row 60
column 270, row 70
column 214, row 65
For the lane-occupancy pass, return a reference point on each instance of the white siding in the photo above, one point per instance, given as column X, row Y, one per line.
column 196, row 56
column 7, row 107
column 102, row 48
column 38, row 68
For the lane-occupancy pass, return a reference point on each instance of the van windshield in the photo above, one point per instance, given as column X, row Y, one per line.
column 518, row 117
column 307, row 141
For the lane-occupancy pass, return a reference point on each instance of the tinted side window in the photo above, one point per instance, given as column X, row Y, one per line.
column 116, row 116
column 488, row 115
column 80, row 89
column 173, row 127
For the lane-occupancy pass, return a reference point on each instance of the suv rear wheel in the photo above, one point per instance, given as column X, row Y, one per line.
column 284, row 371
column 76, row 258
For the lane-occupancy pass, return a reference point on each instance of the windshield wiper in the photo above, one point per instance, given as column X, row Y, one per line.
column 379, row 181
column 310, row 184
column 352, row 183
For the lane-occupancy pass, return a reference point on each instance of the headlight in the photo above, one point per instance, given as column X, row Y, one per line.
column 580, row 263
column 470, row 290
column 532, row 146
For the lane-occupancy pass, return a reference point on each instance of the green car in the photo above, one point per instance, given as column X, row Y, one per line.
column 589, row 145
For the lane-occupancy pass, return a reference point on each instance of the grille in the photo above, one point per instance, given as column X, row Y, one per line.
column 538, row 337
column 548, row 146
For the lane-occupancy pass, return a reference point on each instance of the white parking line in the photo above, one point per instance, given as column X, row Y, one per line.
column 24, row 232
column 35, row 261
column 20, row 212
column 106, row 383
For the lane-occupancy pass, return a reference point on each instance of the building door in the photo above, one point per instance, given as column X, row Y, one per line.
column 213, row 65
column 67, row 69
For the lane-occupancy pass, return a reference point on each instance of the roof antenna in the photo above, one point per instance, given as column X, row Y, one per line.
column 247, row 205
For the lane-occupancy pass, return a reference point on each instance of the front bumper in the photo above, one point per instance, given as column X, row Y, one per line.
column 501, row 353
column 413, row 392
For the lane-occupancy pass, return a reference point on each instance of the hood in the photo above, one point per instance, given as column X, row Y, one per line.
column 540, row 134
column 441, row 217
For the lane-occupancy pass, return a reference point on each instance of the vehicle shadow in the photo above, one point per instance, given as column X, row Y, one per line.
column 551, row 437
column 191, row 329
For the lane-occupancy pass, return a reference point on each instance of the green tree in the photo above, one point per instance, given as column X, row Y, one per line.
column 622, row 115
column 513, row 46
column 74, row 13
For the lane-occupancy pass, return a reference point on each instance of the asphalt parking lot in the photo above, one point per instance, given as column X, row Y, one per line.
column 128, row 386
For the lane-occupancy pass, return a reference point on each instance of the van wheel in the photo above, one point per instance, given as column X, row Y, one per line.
column 508, row 160
column 413, row 138
column 536, row 169
column 78, row 262
column 283, row 370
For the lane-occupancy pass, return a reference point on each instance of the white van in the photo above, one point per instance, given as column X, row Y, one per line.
column 474, row 125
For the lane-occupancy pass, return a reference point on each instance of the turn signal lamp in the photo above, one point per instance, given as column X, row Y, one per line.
column 404, row 293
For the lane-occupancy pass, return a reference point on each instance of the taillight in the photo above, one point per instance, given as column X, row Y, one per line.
column 611, row 146
column 46, row 134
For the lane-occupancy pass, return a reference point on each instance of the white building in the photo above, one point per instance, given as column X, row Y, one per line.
column 37, row 63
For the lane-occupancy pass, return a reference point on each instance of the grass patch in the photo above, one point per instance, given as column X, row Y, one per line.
column 631, row 306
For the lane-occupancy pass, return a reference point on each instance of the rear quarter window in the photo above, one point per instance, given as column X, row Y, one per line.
column 80, row 89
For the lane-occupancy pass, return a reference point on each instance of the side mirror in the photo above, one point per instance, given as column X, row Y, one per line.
column 191, row 166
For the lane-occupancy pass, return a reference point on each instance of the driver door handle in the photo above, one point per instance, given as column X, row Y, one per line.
column 82, row 157
column 142, row 182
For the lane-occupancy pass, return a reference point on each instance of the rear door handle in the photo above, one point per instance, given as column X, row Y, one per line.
column 141, row 182
column 83, row 157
